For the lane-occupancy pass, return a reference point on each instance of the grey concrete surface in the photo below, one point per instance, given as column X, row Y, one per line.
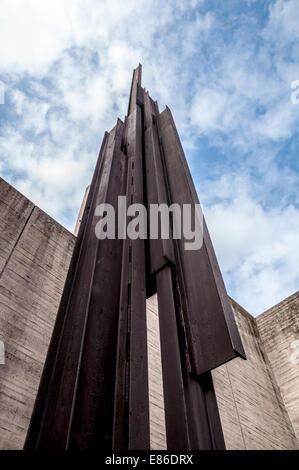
column 279, row 331
column 35, row 254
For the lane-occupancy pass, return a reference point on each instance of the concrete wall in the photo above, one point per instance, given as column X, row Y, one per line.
column 279, row 331
column 251, row 408
column 35, row 253
column 156, row 398
column 81, row 211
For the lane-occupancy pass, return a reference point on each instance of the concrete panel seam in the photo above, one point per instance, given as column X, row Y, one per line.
column 16, row 242
column 236, row 407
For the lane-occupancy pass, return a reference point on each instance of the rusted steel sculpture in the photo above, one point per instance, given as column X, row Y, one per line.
column 94, row 388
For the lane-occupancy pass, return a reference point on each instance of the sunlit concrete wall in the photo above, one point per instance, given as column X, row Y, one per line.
column 251, row 408
column 279, row 331
column 252, row 411
column 35, row 253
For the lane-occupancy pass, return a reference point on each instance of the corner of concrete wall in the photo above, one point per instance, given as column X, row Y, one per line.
column 279, row 331
column 35, row 252
column 252, row 411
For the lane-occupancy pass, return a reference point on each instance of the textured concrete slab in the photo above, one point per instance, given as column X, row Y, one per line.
column 252, row 411
column 156, row 399
column 15, row 210
column 251, row 408
column 31, row 283
column 279, row 331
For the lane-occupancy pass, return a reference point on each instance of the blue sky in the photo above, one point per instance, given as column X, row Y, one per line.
column 224, row 68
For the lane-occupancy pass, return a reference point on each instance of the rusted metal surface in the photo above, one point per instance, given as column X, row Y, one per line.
column 94, row 388
column 176, row 418
column 211, row 331
column 132, row 431
column 161, row 250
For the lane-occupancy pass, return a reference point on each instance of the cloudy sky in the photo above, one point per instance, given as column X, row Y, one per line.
column 225, row 69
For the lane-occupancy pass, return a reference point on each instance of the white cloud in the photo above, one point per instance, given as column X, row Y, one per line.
column 210, row 110
column 256, row 247
column 245, row 96
column 283, row 21
column 33, row 33
column 33, row 112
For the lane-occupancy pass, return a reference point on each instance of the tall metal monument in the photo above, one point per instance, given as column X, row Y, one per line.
column 94, row 388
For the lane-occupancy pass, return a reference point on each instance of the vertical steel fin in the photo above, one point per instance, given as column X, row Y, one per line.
column 175, row 410
column 161, row 250
column 135, row 92
column 212, row 333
